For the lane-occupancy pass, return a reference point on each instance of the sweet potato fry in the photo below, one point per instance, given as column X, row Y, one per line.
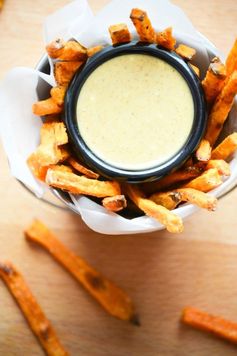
column 113, row 299
column 55, row 48
column 53, row 132
column 221, row 109
column 82, row 169
column 167, row 199
column 231, row 62
column 143, row 25
column 214, row 324
column 172, row 222
column 93, row 50
column 31, row 310
column 226, row 148
column 198, row 198
column 165, row 39
column 58, row 94
column 66, row 51
column 116, row 203
column 52, row 135
column 81, row 185
column 172, row 179
column 171, row 199
column 36, row 168
column 214, row 80
column 203, row 152
column 222, row 166
column 207, row 181
column 195, row 69
column 119, row 33
column 46, row 107
column 64, row 71
column 185, row 52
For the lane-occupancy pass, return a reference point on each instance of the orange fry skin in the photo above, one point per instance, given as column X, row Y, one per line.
column 66, row 51
column 31, row 310
column 207, row 181
column 231, row 62
column 115, row 203
column 172, row 222
column 185, row 52
column 166, row 39
column 113, row 299
column 195, row 69
column 58, row 94
column 82, row 169
column 221, row 109
column 203, row 152
column 214, row 324
column 214, row 80
column 64, row 71
column 222, row 167
column 143, row 25
column 75, row 184
column 226, row 148
column 46, row 107
column 119, row 34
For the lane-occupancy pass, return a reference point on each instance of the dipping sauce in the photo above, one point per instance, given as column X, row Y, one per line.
column 135, row 111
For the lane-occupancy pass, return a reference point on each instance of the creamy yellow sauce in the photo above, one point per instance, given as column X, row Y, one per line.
column 135, row 111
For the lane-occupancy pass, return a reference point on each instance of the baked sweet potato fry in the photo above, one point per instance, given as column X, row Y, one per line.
column 172, row 222
column 198, row 198
column 172, row 179
column 119, row 33
column 185, row 52
column 116, row 203
column 64, row 71
column 207, row 181
column 195, row 69
column 55, row 48
column 222, row 166
column 66, row 51
column 36, row 168
column 143, row 25
column 214, row 324
column 226, row 148
column 52, row 135
column 93, row 50
column 31, row 310
column 82, row 169
column 203, row 152
column 58, row 94
column 165, row 39
column 75, row 184
column 214, row 80
column 113, row 299
column 221, row 109
column 169, row 200
column 46, row 107
column 1, row 4
column 231, row 62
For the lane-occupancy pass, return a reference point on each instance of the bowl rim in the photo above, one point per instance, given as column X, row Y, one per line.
column 144, row 175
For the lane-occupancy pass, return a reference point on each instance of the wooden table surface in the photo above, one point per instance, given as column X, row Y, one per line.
column 161, row 273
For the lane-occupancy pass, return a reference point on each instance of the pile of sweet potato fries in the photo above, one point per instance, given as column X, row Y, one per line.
column 54, row 163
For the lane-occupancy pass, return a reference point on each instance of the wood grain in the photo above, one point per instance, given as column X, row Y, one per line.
column 162, row 274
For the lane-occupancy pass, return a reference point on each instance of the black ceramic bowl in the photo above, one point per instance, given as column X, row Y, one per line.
column 144, row 175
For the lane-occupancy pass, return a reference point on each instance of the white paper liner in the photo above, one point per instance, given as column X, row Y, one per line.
column 19, row 128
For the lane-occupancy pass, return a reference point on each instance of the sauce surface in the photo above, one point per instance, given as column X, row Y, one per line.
column 135, row 111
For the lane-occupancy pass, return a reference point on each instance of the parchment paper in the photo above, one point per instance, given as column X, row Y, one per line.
column 19, row 129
